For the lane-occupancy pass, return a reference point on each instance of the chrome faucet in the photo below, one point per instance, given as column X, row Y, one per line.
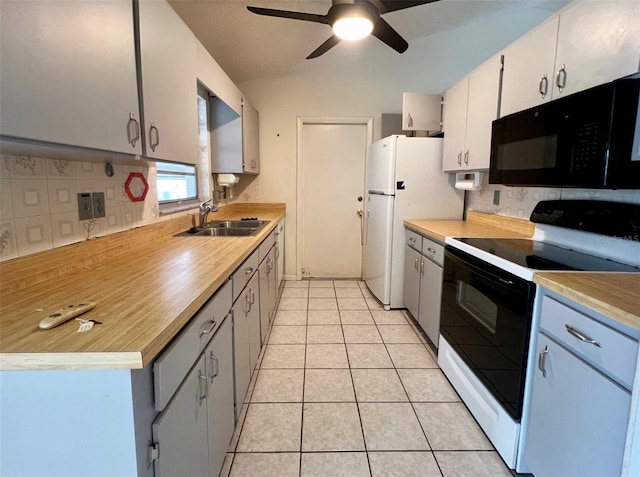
column 205, row 208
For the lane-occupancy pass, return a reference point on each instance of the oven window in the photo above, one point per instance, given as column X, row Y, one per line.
column 529, row 154
column 477, row 305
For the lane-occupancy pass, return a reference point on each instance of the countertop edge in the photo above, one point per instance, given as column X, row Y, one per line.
column 68, row 361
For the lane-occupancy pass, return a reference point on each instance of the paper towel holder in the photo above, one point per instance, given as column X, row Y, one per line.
column 469, row 180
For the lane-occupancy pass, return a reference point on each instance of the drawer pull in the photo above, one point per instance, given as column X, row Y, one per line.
column 573, row 332
column 207, row 331
column 431, row 251
column 542, row 357
column 248, row 271
column 412, row 240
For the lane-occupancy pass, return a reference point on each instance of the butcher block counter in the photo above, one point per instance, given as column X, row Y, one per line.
column 147, row 283
column 477, row 224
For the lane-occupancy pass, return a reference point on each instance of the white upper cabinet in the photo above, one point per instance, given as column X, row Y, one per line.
column 597, row 43
column 421, row 112
column 68, row 74
column 469, row 108
column 528, row 76
column 586, row 44
column 169, row 86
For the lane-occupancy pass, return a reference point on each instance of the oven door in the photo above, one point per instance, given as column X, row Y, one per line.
column 486, row 318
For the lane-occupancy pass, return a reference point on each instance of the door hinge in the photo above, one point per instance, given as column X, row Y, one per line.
column 154, row 452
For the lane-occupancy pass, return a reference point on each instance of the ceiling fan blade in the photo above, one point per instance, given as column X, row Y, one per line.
column 385, row 33
column 309, row 17
column 392, row 5
column 326, row 46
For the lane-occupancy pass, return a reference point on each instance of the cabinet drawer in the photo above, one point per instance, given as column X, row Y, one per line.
column 265, row 246
column 432, row 250
column 171, row 367
column 414, row 240
column 616, row 354
column 244, row 273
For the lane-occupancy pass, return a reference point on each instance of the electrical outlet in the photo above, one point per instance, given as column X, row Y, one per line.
column 496, row 197
column 85, row 207
column 98, row 205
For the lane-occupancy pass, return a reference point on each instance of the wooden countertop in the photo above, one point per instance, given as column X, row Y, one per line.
column 616, row 295
column 147, row 284
column 477, row 225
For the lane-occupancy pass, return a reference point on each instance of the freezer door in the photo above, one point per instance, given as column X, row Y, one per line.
column 381, row 166
column 377, row 272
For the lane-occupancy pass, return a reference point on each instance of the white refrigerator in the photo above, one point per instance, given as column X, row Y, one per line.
column 404, row 180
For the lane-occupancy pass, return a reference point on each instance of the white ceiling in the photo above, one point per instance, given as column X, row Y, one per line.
column 249, row 46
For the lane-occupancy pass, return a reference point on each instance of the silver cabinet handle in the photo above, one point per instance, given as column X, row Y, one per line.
column 460, row 158
column 542, row 357
column 253, row 297
column 248, row 271
column 432, row 251
column 421, row 267
column 277, row 252
column 247, row 302
column 412, row 240
column 409, row 121
column 133, row 138
column 202, row 386
column 214, row 364
column 415, row 263
column 573, row 332
column 153, row 131
column 466, row 158
column 210, row 329
column 561, row 78
column 543, row 86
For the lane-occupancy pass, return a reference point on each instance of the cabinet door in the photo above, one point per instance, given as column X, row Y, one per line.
column 482, row 109
column 528, row 68
column 241, row 366
column 279, row 255
column 253, row 320
column 265, row 310
column 181, row 430
column 272, row 281
column 597, row 43
column 68, row 73
column 430, row 295
column 169, row 86
column 455, row 125
column 250, row 139
column 570, row 431
column 220, row 417
column 410, row 293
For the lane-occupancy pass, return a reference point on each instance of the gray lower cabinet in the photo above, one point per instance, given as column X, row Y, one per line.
column 582, row 375
column 268, row 292
column 246, row 338
column 181, row 429
column 423, row 282
column 220, row 415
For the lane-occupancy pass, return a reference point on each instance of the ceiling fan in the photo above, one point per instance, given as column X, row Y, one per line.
column 352, row 20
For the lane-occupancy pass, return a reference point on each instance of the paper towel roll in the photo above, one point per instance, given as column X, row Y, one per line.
column 468, row 180
column 466, row 185
column 227, row 180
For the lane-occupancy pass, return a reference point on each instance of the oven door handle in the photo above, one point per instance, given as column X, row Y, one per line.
column 507, row 282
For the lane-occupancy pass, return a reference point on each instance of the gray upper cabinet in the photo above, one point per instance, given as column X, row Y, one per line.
column 169, row 86
column 586, row 44
column 250, row 140
column 71, row 78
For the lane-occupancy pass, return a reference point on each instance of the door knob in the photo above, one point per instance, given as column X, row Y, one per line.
column 359, row 212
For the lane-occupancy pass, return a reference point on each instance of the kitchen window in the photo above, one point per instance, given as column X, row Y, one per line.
column 176, row 182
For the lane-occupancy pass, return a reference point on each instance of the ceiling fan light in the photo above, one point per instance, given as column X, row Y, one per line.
column 352, row 28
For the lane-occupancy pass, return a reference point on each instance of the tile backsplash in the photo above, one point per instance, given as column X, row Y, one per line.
column 39, row 206
column 520, row 201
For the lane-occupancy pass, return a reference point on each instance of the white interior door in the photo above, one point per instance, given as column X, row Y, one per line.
column 331, row 168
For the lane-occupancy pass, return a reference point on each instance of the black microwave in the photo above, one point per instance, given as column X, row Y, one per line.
column 590, row 139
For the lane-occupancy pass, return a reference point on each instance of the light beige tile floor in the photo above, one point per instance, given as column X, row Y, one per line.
column 345, row 388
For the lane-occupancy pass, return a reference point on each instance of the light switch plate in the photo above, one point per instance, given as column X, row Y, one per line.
column 85, row 207
column 98, row 205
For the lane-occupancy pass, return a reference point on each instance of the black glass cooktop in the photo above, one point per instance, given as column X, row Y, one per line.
column 544, row 256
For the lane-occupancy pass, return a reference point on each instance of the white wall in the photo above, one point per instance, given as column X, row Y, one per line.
column 345, row 83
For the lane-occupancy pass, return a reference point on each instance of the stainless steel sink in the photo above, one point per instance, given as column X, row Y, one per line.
column 227, row 232
column 228, row 228
column 229, row 224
